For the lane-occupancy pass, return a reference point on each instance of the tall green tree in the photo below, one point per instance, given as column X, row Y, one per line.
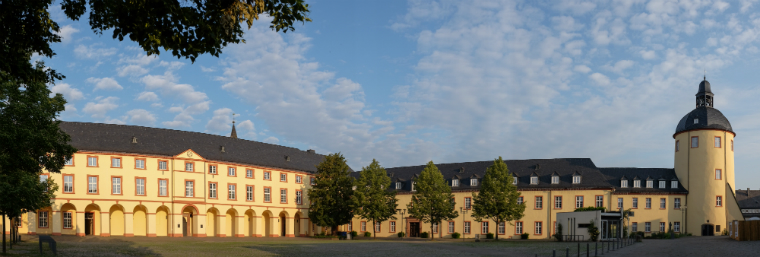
column 331, row 195
column 497, row 198
column 373, row 199
column 23, row 192
column 432, row 200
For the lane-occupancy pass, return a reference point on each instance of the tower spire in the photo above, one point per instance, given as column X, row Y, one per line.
column 234, row 132
column 705, row 95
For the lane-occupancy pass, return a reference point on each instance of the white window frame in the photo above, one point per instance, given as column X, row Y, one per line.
column 520, row 200
column 624, row 183
column 249, row 193
column 467, row 225
column 139, row 164
column 116, row 162
column 637, row 183
column 231, row 171
column 283, row 195
column 677, row 226
column 116, row 185
column 467, row 203
column 162, row 187
column 231, row 194
column 69, row 161
column 298, row 179
column 473, row 182
column 267, row 194
column 92, row 185
column 162, row 165
column 502, row 228
column 518, row 227
column 557, row 202
column 555, row 179
column 677, row 203
column 364, row 226
column 189, row 166
column 647, row 227
column 248, row 173
column 599, row 201
column 539, row 202
column 635, row 203
column 68, row 184
column 635, row 227
column 650, row 183
column 662, row 183
column 663, row 203
column 267, row 175
column 483, row 227
column 43, row 220
column 576, row 179
column 398, row 185
column 578, row 202
column 140, row 186
column 514, row 180
column 189, row 192
column 620, row 203
column 719, row 201
column 662, row 226
column 674, row 184
column 92, row 161
column 212, row 169
column 454, row 182
column 283, row 177
column 538, row 230
column 212, row 190
column 534, row 180
column 451, row 227
column 67, row 220
column 648, row 203
column 393, row 227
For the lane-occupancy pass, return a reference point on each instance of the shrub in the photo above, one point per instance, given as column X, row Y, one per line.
column 724, row 233
column 593, row 231
column 489, row 236
column 456, row 235
column 524, row 236
column 590, row 208
column 558, row 235
column 401, row 234
column 367, row 234
column 424, row 235
column 354, row 234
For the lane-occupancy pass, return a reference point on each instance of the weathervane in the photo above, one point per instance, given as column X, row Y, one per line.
column 233, row 117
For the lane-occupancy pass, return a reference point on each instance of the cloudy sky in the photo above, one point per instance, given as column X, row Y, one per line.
column 406, row 82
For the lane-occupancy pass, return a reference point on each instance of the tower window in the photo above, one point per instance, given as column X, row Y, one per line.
column 717, row 142
column 718, row 201
column 677, row 145
column 696, row 121
column 694, row 142
column 718, row 174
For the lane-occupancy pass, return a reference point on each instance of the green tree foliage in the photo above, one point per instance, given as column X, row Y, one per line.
column 432, row 201
column 497, row 198
column 372, row 198
column 593, row 231
column 24, row 192
column 331, row 195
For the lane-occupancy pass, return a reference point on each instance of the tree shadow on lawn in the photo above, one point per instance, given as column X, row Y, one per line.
column 80, row 246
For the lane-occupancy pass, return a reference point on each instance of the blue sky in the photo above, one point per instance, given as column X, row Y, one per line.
column 406, row 82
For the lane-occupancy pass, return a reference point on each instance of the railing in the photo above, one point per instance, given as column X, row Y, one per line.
column 572, row 238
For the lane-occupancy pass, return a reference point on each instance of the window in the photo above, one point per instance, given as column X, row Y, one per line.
column 162, row 165
column 474, row 182
column 299, row 196
column 662, row 226
column 484, row 227
column 677, row 203
column 467, row 203
column 435, row 228
column 578, row 202
column 188, row 166
column 364, row 226
column 162, row 187
column 717, row 228
column 576, row 179
column 696, row 120
column 413, row 185
column 283, row 177
column 599, row 201
column 454, row 182
column 43, row 179
column 266, row 175
column 398, row 184
column 674, row 184
column 115, row 162
column 231, row 171
column 718, row 201
column 267, row 195
column 662, row 183
column 92, row 185
column 249, row 193
column 634, row 227
column 451, row 227
column 694, row 142
column 377, row 226
column 42, row 219
column 249, row 173
column 648, row 203
column 350, row 226
column 677, row 145
column 539, row 202
column 677, row 227
column 534, row 180
column 647, row 227
column 466, row 227
column 140, row 186
column 189, row 189
column 393, row 227
column 620, row 203
column 283, row 196
column 555, row 179
column 92, row 161
column 718, row 174
column 514, row 180
column 649, row 183
column 501, row 228
column 518, row 227
column 211, row 190
column 140, row 164
column 68, row 184
column 212, row 169
column 624, row 183
column 70, row 161
column 116, row 185
column 717, row 142
column 314, row 182
column 635, row 203
column 637, row 183
column 538, row 228
column 662, row 203
column 558, row 202
column 231, row 191
column 520, row 200
column 298, row 179
column 67, row 220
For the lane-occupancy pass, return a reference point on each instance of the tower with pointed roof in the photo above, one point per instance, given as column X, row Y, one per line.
column 704, row 163
column 233, row 134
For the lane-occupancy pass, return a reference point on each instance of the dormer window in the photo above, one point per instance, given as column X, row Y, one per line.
column 649, row 183
column 662, row 183
column 576, row 179
column 534, row 180
column 413, row 185
column 555, row 179
column 473, row 182
column 696, row 120
column 637, row 183
column 674, row 184
column 398, row 185
column 454, row 182
column 514, row 180
column 624, row 183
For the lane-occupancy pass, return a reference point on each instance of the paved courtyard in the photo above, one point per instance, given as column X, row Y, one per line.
column 692, row 246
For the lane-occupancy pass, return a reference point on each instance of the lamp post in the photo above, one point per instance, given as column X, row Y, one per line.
column 403, row 212
column 463, row 212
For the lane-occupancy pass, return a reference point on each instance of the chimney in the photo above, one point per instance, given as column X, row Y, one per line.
column 311, row 151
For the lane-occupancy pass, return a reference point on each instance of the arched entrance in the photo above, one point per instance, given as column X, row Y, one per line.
column 140, row 221
column 283, row 224
column 231, row 223
column 267, row 216
column 250, row 223
column 708, row 229
column 297, row 224
column 189, row 214
column 212, row 222
column 92, row 220
column 162, row 221
column 70, row 218
column 117, row 220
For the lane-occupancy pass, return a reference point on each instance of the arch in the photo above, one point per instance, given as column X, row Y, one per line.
column 116, row 220
column 69, row 209
column 212, row 222
column 297, row 224
column 267, row 217
column 231, row 223
column 162, row 221
column 140, row 221
column 282, row 229
column 92, row 218
column 189, row 220
column 250, row 223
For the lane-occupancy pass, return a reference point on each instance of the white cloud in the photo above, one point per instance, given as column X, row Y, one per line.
column 147, row 96
column 221, row 122
column 69, row 93
column 141, row 117
column 648, row 55
column 582, row 69
column 600, row 79
column 204, row 69
column 167, row 85
column 186, row 115
column 271, row 140
column 619, row 66
column 246, row 125
column 131, row 70
column 104, row 84
column 100, row 108
column 66, row 33
column 93, row 52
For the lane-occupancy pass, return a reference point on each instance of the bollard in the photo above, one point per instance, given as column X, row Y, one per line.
column 579, row 249
column 554, row 253
column 567, row 252
column 596, row 249
column 587, row 249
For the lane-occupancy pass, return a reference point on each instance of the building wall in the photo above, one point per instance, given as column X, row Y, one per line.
column 654, row 215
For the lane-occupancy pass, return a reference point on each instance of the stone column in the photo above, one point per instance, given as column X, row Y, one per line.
column 150, row 219
column 274, row 227
column 289, row 226
column 105, row 224
column 222, row 223
column 80, row 224
column 129, row 227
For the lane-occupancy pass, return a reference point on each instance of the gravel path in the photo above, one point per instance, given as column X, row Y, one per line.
column 691, row 246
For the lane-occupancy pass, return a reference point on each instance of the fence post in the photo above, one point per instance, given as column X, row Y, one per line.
column 596, row 249
column 567, row 252
column 579, row 249
column 587, row 250
column 554, row 253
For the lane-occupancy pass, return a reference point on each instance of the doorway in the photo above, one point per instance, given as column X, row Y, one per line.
column 282, row 225
column 414, row 229
column 88, row 223
column 708, row 230
column 187, row 219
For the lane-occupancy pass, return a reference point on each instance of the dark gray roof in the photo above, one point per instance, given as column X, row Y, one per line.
column 565, row 168
column 613, row 176
column 748, row 199
column 709, row 118
column 704, row 87
column 156, row 141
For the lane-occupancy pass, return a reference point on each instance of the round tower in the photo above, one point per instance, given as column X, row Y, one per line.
column 704, row 164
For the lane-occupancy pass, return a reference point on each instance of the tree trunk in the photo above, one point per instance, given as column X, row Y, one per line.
column 4, row 252
column 374, row 229
column 432, row 235
column 497, row 229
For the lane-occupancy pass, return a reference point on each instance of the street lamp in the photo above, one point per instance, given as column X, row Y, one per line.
column 403, row 212
column 463, row 212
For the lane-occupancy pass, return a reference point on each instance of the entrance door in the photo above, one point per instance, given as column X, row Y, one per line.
column 414, row 229
column 708, row 230
column 88, row 224
column 282, row 227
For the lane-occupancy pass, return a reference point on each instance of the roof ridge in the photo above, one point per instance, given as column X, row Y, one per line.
column 450, row 163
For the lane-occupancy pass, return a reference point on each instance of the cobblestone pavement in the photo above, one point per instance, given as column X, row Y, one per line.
column 721, row 246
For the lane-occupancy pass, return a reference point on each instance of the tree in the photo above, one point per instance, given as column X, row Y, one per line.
column 593, row 231
column 432, row 201
column 372, row 198
column 497, row 198
column 23, row 192
column 331, row 195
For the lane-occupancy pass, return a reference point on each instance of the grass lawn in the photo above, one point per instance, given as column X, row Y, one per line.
column 141, row 246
